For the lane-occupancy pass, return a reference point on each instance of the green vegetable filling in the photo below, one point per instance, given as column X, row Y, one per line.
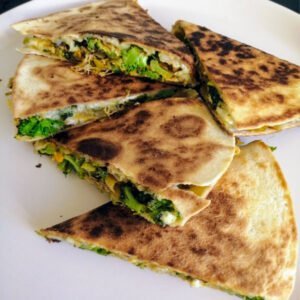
column 106, row 57
column 81, row 167
column 98, row 250
column 37, row 127
column 144, row 203
column 138, row 201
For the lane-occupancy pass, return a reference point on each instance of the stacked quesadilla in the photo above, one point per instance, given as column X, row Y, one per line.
column 49, row 96
column 160, row 158
column 244, row 243
column 249, row 91
column 110, row 36
column 102, row 92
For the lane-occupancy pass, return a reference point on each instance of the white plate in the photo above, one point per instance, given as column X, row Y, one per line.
column 31, row 198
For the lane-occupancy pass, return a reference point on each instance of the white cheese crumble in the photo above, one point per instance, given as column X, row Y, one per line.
column 168, row 218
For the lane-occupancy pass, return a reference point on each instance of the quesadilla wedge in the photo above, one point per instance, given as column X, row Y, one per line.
column 244, row 243
column 110, row 36
column 249, row 91
column 160, row 158
column 49, row 97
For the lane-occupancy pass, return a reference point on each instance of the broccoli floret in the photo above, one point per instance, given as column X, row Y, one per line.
column 158, row 207
column 65, row 167
column 48, row 150
column 130, row 201
column 134, row 59
column 75, row 164
column 95, row 45
column 142, row 202
column 92, row 44
column 38, row 127
column 100, row 173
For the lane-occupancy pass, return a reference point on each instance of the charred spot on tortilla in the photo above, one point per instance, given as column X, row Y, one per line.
column 96, row 231
column 65, row 227
column 99, row 148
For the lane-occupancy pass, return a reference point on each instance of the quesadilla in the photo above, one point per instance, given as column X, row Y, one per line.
column 160, row 158
column 110, row 36
column 244, row 243
column 249, row 91
column 49, row 97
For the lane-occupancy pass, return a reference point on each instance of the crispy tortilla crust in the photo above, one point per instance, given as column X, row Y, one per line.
column 258, row 89
column 158, row 145
column 43, row 84
column 124, row 20
column 244, row 242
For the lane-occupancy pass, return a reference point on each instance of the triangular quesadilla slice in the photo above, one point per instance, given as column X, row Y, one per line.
column 110, row 36
column 160, row 158
column 49, row 97
column 249, row 91
column 244, row 243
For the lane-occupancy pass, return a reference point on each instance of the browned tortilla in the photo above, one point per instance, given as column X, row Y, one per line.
column 261, row 92
column 159, row 145
column 43, row 84
column 123, row 20
column 245, row 242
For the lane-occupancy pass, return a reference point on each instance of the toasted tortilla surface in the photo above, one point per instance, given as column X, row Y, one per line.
column 260, row 92
column 245, row 242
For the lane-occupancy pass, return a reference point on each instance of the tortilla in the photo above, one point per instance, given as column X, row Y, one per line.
column 249, row 91
column 160, row 158
column 49, row 96
column 110, row 36
column 244, row 243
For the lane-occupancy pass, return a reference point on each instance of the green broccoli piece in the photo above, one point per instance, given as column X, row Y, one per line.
column 93, row 44
column 130, row 201
column 75, row 164
column 158, row 207
column 100, row 173
column 134, row 59
column 65, row 167
column 48, row 150
column 38, row 127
